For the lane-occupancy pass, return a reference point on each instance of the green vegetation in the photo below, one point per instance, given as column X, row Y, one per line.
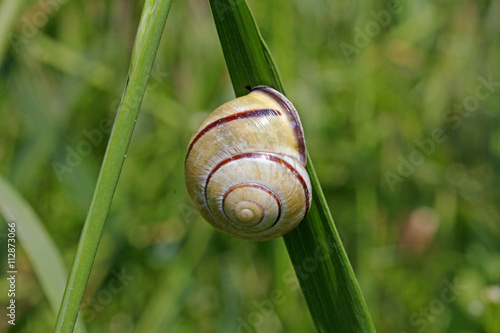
column 400, row 110
column 153, row 18
column 322, row 268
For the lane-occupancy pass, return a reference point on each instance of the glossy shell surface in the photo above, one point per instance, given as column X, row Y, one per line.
column 245, row 167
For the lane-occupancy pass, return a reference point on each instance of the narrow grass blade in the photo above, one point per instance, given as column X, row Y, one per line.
column 324, row 272
column 41, row 251
column 248, row 59
column 148, row 37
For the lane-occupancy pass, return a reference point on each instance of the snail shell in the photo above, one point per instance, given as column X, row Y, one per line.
column 245, row 167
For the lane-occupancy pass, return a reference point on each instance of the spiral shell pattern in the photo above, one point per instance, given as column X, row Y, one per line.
column 245, row 167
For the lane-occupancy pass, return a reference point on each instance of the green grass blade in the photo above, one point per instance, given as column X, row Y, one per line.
column 41, row 251
column 324, row 272
column 248, row 59
column 148, row 37
column 323, row 269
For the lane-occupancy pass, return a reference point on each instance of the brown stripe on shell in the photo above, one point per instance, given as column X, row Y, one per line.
column 266, row 156
column 292, row 115
column 260, row 187
column 236, row 116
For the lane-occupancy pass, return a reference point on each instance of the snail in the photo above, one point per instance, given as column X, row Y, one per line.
column 245, row 167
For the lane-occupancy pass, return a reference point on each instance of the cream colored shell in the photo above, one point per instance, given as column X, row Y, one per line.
column 245, row 167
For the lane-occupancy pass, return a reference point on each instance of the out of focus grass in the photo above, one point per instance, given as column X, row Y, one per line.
column 439, row 225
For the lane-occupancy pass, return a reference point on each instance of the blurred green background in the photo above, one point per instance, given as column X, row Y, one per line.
column 400, row 106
